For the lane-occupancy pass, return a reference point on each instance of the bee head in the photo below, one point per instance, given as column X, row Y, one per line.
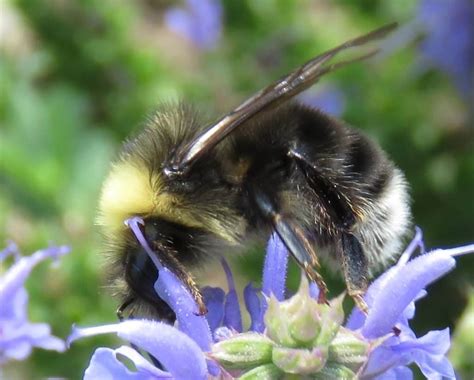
column 184, row 219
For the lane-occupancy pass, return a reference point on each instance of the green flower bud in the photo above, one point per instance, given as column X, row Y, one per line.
column 334, row 371
column 263, row 372
column 305, row 338
column 243, row 351
column 348, row 348
column 304, row 314
column 277, row 322
column 299, row 361
column 332, row 316
column 301, row 322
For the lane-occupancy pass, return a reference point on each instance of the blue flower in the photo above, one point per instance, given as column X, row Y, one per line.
column 328, row 98
column 449, row 41
column 18, row 336
column 391, row 301
column 295, row 335
column 177, row 352
column 200, row 22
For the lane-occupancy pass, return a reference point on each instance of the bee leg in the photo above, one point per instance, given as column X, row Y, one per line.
column 354, row 262
column 355, row 267
column 294, row 238
column 302, row 251
column 123, row 307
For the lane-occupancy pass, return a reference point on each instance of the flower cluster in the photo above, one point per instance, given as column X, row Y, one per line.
column 18, row 336
column 287, row 336
column 449, row 42
column 200, row 22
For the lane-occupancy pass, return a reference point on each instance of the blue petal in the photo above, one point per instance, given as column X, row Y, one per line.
column 232, row 314
column 356, row 319
column 19, row 272
column 416, row 243
column 39, row 335
column 141, row 364
column 16, row 308
column 409, row 312
column 254, row 306
column 275, row 268
column 214, row 300
column 178, row 353
column 17, row 335
column 200, row 22
column 10, row 250
column 434, row 366
column 382, row 359
column 177, row 296
column 398, row 373
column 134, row 224
column 20, row 350
column 105, row 365
column 18, row 339
column 427, row 352
column 208, row 22
column 400, row 287
column 434, row 343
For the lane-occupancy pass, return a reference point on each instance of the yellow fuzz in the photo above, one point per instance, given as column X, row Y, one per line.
column 127, row 191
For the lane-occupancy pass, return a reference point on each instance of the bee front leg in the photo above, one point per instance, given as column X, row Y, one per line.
column 295, row 239
column 355, row 268
column 302, row 251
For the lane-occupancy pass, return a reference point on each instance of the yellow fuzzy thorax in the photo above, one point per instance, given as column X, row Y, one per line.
column 126, row 191
column 130, row 190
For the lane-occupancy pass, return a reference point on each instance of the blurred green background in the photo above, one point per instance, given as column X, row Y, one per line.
column 76, row 77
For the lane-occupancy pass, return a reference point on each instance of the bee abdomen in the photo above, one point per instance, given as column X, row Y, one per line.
column 386, row 222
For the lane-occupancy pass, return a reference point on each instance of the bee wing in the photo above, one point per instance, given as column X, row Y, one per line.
column 271, row 96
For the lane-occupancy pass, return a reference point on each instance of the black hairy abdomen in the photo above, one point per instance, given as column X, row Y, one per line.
column 340, row 170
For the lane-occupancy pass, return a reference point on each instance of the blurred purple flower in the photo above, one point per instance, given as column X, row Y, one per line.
column 18, row 336
column 449, row 41
column 328, row 98
column 200, row 22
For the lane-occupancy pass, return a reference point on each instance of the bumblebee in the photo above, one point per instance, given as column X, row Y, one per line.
column 272, row 164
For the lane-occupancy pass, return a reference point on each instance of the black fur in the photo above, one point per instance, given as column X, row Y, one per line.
column 346, row 169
